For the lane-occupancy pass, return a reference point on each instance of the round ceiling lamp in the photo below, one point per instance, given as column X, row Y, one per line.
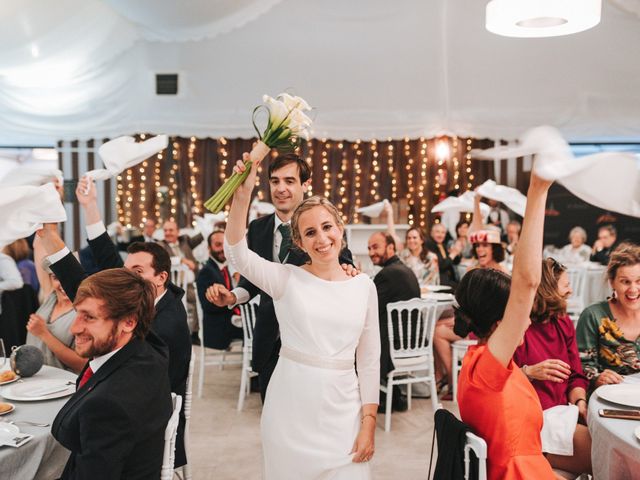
column 541, row 18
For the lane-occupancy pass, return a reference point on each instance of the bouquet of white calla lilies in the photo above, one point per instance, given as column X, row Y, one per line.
column 286, row 125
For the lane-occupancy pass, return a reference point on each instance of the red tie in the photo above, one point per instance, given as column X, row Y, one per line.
column 227, row 284
column 88, row 373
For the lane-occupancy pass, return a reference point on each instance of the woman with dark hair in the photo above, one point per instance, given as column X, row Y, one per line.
column 609, row 332
column 462, row 241
column 447, row 259
column 496, row 399
column 549, row 358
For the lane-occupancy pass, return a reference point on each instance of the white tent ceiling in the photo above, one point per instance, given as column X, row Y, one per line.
column 372, row 68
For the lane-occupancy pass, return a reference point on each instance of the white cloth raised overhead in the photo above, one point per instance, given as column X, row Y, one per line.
column 25, row 208
column 35, row 176
column 124, row 152
column 374, row 210
column 510, row 197
column 608, row 180
column 463, row 203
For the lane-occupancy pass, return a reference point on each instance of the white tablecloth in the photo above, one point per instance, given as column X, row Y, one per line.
column 615, row 450
column 42, row 457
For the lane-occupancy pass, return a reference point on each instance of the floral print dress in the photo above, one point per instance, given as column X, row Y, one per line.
column 602, row 344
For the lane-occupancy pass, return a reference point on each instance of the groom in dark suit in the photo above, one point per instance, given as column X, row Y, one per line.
column 270, row 237
column 114, row 424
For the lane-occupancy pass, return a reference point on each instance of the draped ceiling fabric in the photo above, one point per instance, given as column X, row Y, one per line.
column 80, row 69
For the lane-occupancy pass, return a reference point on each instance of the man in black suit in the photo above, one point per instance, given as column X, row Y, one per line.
column 114, row 424
column 394, row 283
column 151, row 262
column 605, row 245
column 270, row 237
column 218, row 329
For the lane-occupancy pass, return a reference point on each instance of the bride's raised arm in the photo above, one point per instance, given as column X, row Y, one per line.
column 269, row 276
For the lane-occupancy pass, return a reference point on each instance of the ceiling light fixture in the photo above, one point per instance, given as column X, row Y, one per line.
column 541, row 18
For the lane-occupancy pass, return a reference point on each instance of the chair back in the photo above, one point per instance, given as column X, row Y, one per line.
column 411, row 324
column 188, row 400
column 180, row 276
column 577, row 280
column 249, row 313
column 199, row 313
column 170, row 432
column 479, row 447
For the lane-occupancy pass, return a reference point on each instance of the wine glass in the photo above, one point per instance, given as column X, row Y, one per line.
column 3, row 355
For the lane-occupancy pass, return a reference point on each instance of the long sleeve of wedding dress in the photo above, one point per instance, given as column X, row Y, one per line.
column 270, row 277
column 368, row 352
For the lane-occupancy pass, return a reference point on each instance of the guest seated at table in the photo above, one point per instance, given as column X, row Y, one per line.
column 413, row 253
column 488, row 249
column 21, row 253
column 394, row 283
column 462, row 240
column 576, row 251
column 496, row 399
column 219, row 331
column 605, row 245
column 549, row 358
column 447, row 260
column 487, row 245
column 49, row 329
column 608, row 332
column 512, row 236
column 114, row 424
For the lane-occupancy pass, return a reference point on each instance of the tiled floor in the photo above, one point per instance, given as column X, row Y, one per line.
column 225, row 443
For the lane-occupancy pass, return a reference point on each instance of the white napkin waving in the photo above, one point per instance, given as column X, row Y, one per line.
column 24, row 209
column 260, row 208
column 608, row 180
column 511, row 197
column 463, row 203
column 206, row 224
column 35, row 176
column 123, row 152
column 374, row 210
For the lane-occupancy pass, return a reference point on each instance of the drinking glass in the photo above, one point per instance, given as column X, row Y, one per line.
column 3, row 355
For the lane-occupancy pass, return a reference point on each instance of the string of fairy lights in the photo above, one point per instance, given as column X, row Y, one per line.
column 413, row 174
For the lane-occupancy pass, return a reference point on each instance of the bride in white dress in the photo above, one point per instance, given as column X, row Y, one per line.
column 319, row 417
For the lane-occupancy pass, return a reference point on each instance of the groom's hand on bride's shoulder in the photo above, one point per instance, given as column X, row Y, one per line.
column 219, row 295
column 350, row 269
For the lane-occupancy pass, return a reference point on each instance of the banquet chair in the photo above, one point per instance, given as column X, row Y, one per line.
column 188, row 400
column 411, row 324
column 458, row 350
column 169, row 455
column 479, row 447
column 575, row 303
column 218, row 357
column 249, row 312
column 180, row 277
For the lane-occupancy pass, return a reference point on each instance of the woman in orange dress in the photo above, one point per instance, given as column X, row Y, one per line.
column 496, row 399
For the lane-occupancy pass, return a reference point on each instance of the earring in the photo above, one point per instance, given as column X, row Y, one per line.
column 614, row 297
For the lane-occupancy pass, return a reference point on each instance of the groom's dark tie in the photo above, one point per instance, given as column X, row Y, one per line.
column 285, row 245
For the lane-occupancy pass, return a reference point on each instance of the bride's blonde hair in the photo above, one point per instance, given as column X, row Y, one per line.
column 305, row 206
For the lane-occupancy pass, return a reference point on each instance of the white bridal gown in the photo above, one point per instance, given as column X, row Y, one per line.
column 311, row 416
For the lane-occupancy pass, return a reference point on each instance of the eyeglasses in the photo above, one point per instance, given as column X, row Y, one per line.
column 556, row 266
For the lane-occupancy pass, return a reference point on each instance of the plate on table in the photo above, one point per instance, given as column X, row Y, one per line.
column 11, row 380
column 6, row 407
column 626, row 394
column 438, row 288
column 36, row 390
column 438, row 297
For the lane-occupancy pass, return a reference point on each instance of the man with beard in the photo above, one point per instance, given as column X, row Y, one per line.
column 395, row 282
column 151, row 262
column 218, row 329
column 114, row 424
